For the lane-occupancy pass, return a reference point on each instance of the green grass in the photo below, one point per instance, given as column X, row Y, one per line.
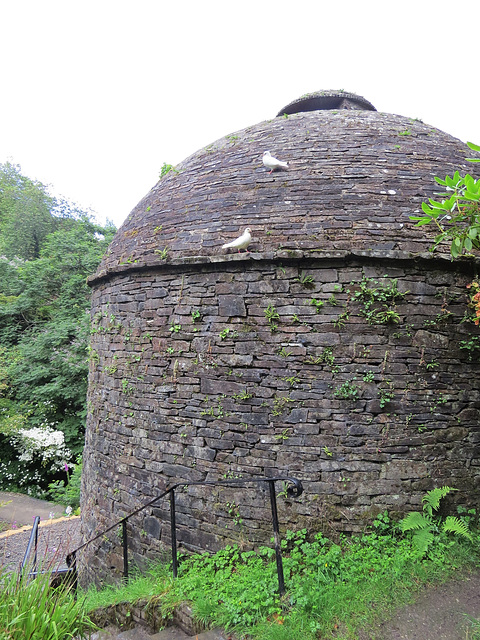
column 30, row 610
column 473, row 629
column 156, row 580
column 333, row 589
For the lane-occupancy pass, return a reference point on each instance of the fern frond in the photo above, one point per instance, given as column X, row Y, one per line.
column 454, row 525
column 422, row 539
column 432, row 498
column 414, row 521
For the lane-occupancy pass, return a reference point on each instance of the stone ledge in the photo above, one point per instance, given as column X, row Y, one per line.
column 317, row 255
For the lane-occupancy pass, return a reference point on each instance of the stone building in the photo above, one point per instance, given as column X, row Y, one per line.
column 333, row 351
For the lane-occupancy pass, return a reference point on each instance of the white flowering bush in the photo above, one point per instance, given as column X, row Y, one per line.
column 35, row 456
column 43, row 444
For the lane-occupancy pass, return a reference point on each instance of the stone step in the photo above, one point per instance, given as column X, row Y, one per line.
column 170, row 633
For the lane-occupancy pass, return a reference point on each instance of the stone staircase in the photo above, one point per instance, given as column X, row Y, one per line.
column 141, row 620
column 170, row 633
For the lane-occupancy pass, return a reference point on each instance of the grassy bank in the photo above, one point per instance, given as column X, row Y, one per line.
column 333, row 588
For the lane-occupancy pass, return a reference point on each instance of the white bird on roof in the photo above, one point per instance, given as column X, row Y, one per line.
column 272, row 163
column 241, row 242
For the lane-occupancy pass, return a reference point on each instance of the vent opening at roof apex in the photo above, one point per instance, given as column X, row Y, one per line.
column 327, row 100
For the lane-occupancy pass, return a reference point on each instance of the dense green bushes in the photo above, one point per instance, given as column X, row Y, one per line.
column 333, row 588
column 47, row 250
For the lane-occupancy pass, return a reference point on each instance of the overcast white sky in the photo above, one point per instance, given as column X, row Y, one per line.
column 97, row 94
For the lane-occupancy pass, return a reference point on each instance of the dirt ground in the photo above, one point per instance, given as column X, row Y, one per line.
column 441, row 612
column 57, row 535
column 18, row 510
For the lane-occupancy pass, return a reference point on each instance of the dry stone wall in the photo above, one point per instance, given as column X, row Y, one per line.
column 349, row 372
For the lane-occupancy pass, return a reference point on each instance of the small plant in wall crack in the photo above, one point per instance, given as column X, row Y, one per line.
column 386, row 394
column 174, row 327
column 271, row 315
column 306, row 280
column 228, row 333
column 242, row 396
column 279, row 404
column 196, row 315
column 292, row 381
column 347, row 391
column 318, row 304
column 284, row 492
column 166, row 168
column 232, row 510
column 127, row 388
column 378, row 300
column 341, row 320
column 471, row 347
column 162, row 253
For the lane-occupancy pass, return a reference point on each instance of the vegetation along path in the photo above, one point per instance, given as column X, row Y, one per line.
column 441, row 612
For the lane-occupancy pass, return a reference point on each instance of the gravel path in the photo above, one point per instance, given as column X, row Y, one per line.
column 55, row 540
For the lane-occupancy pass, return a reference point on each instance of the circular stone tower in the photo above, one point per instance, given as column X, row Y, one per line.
column 332, row 351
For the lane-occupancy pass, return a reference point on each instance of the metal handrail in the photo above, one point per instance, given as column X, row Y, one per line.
column 293, row 490
column 33, row 540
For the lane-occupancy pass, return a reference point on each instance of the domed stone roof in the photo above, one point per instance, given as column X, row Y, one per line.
column 354, row 177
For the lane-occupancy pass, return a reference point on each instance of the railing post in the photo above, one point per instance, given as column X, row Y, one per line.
column 276, row 536
column 125, row 550
column 33, row 540
column 173, row 529
column 36, row 548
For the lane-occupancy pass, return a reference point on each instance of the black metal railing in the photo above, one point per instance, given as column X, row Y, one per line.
column 294, row 489
column 32, row 544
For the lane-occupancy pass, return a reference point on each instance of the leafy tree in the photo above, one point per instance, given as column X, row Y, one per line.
column 51, row 315
column 457, row 215
column 44, row 319
column 25, row 214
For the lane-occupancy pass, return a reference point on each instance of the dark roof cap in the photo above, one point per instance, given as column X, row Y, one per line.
column 325, row 100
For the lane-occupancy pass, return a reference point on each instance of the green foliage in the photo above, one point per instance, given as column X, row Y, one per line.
column 228, row 333
column 306, row 280
column 457, row 215
column 378, row 300
column 166, row 168
column 327, row 356
column 386, row 394
column 271, row 314
column 333, row 589
column 425, row 527
column 196, row 315
column 68, row 493
column 30, row 609
column 163, row 253
column 175, row 327
column 347, row 391
column 318, row 304
column 50, row 249
column 25, row 214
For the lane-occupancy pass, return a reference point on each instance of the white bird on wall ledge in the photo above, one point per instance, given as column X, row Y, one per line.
column 241, row 242
column 272, row 163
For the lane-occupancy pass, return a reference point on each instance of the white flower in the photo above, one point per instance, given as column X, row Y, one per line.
column 68, row 511
column 42, row 442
